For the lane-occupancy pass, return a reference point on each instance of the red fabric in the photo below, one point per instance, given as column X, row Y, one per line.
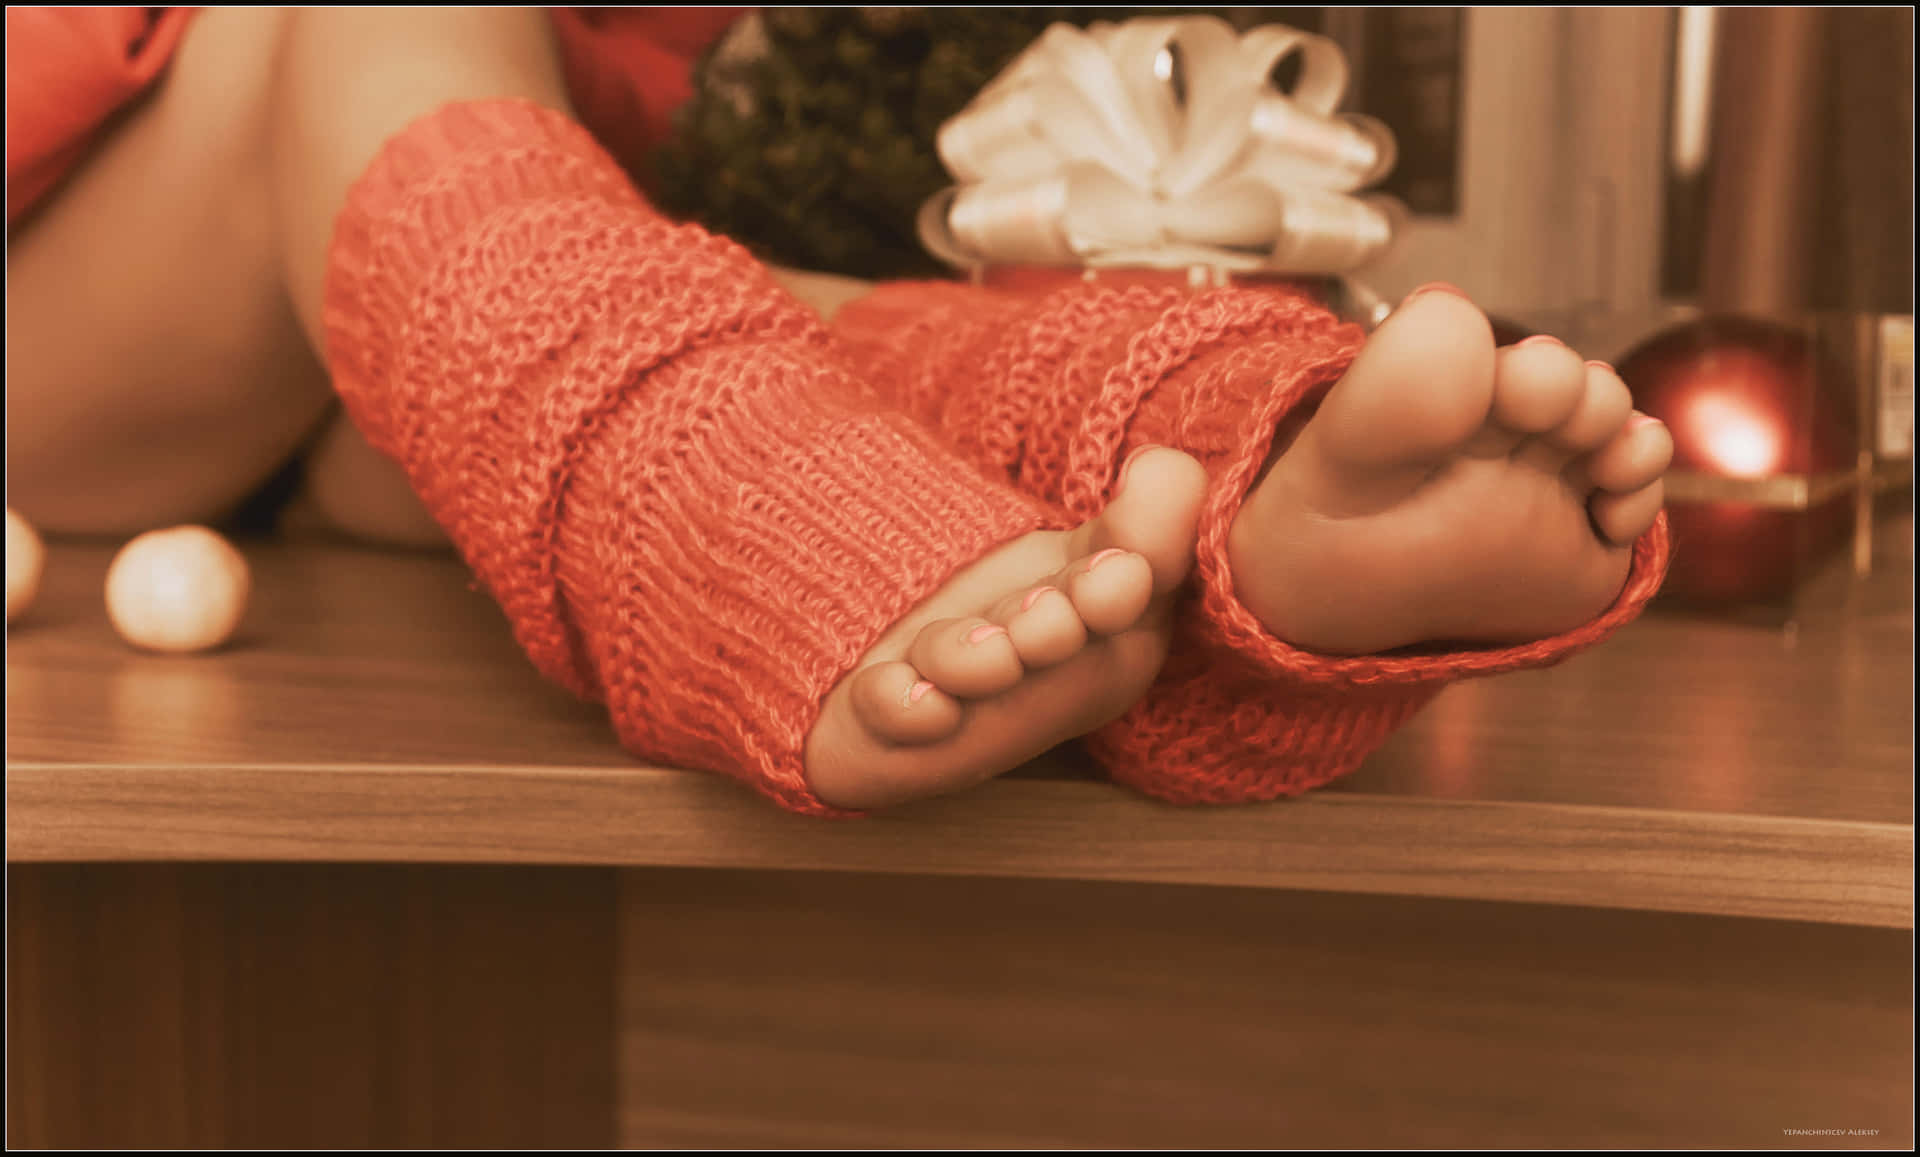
column 649, row 453
column 70, row 69
column 629, row 69
column 1051, row 393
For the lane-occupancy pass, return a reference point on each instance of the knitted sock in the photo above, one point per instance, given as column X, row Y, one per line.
column 1052, row 393
column 648, row 453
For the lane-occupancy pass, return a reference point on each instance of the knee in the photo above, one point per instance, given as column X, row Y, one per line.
column 358, row 492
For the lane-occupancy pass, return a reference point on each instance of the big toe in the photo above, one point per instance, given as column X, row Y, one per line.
column 1419, row 388
column 1154, row 513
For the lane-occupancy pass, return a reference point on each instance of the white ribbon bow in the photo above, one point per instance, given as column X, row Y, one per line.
column 1082, row 153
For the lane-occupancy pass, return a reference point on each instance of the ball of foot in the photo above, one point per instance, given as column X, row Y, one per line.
column 25, row 557
column 177, row 590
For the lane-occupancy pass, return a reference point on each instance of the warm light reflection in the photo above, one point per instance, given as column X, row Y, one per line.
column 1454, row 750
column 1692, row 89
column 165, row 709
column 1741, row 443
column 1723, row 728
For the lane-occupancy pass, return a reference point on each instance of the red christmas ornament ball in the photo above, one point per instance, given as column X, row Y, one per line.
column 1745, row 400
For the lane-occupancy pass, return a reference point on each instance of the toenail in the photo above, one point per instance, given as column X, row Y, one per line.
column 1127, row 465
column 1033, row 596
column 1103, row 556
column 918, row 692
column 1537, row 339
column 1597, row 364
column 985, row 631
column 1437, row 287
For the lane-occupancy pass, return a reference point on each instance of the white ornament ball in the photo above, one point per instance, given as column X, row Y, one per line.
column 25, row 557
column 177, row 590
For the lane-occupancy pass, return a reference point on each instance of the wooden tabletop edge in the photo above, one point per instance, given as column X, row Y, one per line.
column 1778, row 867
column 1006, row 792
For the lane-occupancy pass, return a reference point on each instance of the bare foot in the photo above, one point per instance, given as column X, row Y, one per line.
column 1446, row 490
column 1047, row 638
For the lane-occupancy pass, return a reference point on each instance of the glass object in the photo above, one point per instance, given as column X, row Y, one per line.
column 1787, row 432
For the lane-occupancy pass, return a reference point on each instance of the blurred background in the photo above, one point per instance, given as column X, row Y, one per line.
column 1556, row 161
column 1717, row 200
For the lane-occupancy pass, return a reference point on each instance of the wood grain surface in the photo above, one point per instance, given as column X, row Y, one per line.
column 352, row 656
column 159, row 1006
column 827, row 1011
column 375, row 708
column 1820, row 870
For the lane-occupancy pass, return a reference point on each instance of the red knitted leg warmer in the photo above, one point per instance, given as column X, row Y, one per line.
column 649, row 454
column 1053, row 393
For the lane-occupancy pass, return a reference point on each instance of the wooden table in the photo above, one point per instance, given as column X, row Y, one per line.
column 363, row 879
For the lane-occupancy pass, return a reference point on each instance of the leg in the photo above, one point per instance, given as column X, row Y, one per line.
column 352, row 488
column 975, row 678
column 326, row 132
column 155, row 372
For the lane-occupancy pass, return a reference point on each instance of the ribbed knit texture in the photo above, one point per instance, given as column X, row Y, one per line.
column 647, row 452
column 1052, row 392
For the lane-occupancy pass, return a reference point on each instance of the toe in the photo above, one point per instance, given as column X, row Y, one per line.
column 1043, row 624
column 1537, row 385
column 896, row 705
column 1154, row 513
column 1601, row 409
column 1420, row 387
column 1637, row 454
column 967, row 658
column 1621, row 518
column 1110, row 589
